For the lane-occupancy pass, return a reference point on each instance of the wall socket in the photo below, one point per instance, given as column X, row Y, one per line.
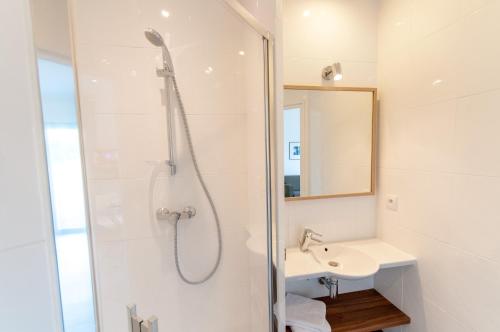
column 391, row 202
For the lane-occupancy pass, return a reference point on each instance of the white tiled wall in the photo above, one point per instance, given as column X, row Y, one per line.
column 263, row 10
column 319, row 32
column 440, row 90
column 28, row 296
column 125, row 139
column 344, row 31
column 331, row 30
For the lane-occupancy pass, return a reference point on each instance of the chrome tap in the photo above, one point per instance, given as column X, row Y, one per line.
column 165, row 214
column 332, row 285
column 307, row 237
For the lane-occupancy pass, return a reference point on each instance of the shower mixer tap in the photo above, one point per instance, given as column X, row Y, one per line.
column 165, row 214
column 172, row 94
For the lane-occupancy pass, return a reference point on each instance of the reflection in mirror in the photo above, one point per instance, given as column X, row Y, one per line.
column 328, row 141
column 64, row 163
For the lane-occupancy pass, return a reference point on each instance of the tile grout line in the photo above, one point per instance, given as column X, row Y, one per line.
column 21, row 246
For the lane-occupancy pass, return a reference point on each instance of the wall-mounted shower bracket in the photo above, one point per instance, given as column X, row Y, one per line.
column 173, row 167
column 137, row 324
column 164, row 72
column 165, row 214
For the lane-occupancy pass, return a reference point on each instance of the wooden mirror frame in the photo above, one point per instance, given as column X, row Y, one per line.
column 374, row 137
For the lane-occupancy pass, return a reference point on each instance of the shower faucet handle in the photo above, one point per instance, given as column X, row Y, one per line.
column 162, row 213
column 165, row 214
column 188, row 212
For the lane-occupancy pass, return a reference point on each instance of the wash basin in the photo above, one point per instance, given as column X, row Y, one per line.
column 344, row 262
column 313, row 263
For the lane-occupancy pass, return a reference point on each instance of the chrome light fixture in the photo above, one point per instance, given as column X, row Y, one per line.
column 334, row 71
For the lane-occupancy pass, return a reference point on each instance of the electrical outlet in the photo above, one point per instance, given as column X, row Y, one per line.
column 391, row 202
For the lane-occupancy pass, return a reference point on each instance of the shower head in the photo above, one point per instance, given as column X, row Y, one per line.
column 156, row 39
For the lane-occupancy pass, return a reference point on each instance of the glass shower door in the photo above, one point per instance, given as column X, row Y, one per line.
column 219, row 65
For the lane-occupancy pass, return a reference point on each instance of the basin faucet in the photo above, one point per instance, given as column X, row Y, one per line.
column 307, row 237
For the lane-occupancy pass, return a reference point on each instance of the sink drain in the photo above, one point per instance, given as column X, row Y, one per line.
column 333, row 263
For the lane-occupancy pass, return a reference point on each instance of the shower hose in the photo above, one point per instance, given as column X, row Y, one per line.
column 207, row 194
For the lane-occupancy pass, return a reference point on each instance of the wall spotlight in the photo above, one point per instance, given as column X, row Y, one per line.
column 334, row 71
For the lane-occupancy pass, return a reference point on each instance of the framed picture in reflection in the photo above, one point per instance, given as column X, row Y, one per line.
column 294, row 150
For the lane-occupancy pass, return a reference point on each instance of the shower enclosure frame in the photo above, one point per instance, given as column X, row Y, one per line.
column 270, row 140
column 269, row 84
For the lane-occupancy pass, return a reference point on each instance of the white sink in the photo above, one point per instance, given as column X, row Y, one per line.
column 344, row 262
column 356, row 259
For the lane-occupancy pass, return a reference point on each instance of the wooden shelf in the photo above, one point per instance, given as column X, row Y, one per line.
column 363, row 311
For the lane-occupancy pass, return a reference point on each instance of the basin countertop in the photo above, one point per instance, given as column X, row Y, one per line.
column 301, row 265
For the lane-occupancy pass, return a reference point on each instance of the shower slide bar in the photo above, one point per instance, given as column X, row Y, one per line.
column 137, row 324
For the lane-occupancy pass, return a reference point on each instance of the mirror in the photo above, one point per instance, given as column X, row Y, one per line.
column 329, row 141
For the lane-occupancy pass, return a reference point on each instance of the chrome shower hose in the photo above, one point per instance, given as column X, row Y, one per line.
column 207, row 194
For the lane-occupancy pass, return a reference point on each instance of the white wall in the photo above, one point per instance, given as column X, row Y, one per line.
column 263, row 10
column 335, row 30
column 340, row 127
column 28, row 291
column 344, row 31
column 439, row 76
column 50, row 16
